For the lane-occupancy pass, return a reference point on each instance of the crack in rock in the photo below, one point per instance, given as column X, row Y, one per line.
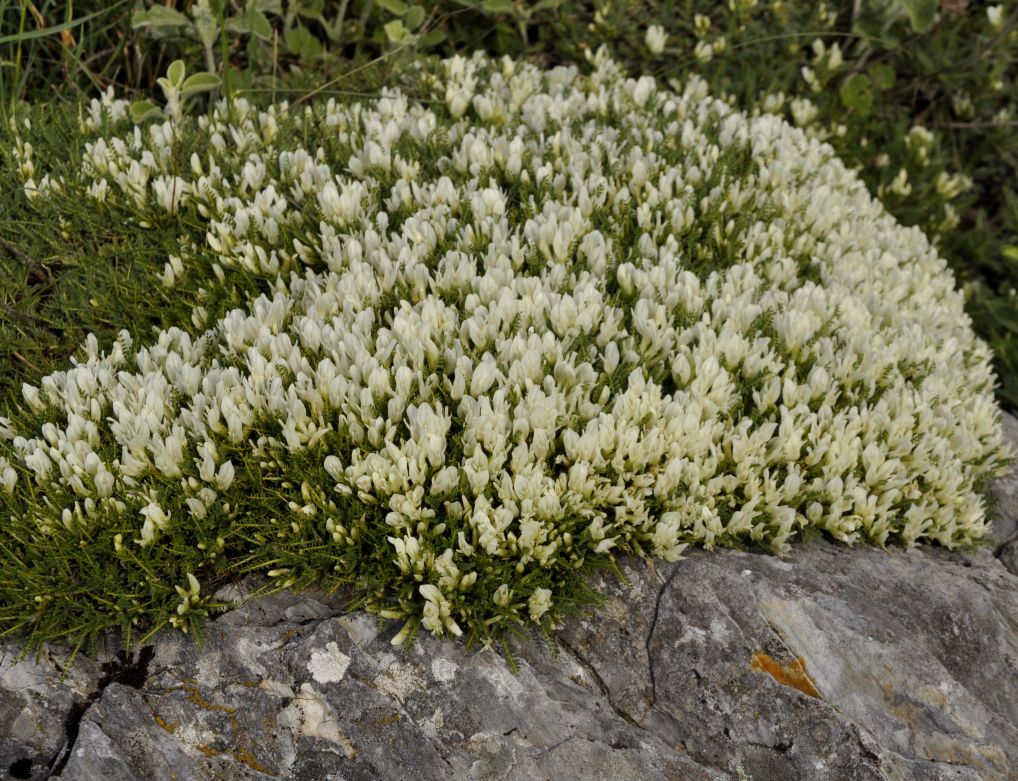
column 133, row 673
column 650, row 634
column 598, row 680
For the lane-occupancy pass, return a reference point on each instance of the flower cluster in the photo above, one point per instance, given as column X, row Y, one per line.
column 541, row 319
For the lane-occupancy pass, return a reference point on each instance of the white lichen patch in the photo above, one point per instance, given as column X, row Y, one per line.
column 438, row 719
column 507, row 685
column 443, row 670
column 328, row 666
column 400, row 680
column 310, row 715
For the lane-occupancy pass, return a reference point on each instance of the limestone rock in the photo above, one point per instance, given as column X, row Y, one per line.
column 41, row 700
column 288, row 687
column 1004, row 493
column 834, row 663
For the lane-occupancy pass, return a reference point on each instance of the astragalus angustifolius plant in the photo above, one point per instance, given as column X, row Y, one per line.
column 506, row 330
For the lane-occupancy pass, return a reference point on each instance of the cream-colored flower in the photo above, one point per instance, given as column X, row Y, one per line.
column 656, row 38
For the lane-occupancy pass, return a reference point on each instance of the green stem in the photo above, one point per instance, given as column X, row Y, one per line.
column 17, row 56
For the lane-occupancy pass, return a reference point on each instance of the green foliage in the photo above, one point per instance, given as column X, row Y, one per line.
column 177, row 88
column 876, row 18
column 856, row 93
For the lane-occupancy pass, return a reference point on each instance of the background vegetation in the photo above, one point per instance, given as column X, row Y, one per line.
column 918, row 95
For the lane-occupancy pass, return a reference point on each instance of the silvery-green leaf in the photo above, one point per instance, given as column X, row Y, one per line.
column 158, row 16
column 176, row 73
column 921, row 13
column 199, row 82
column 251, row 22
column 397, row 7
column 395, row 31
column 142, row 110
column 414, row 17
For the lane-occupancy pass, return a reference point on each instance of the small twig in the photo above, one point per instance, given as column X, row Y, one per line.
column 11, row 248
column 326, row 85
column 976, row 125
column 424, row 28
column 25, row 360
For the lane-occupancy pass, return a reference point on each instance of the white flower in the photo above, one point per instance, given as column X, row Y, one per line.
column 528, row 380
column 224, row 477
column 484, row 377
column 539, row 603
column 503, row 594
column 154, row 513
column 437, row 618
column 334, row 467
column 104, row 482
column 703, row 51
column 803, row 111
column 656, row 38
column 188, row 595
column 8, row 478
column 995, row 13
column 31, row 395
column 169, row 192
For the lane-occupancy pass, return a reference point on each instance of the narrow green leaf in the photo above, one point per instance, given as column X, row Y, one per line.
column 310, row 9
column 57, row 28
column 498, row 7
column 266, row 6
column 431, row 38
column 1004, row 313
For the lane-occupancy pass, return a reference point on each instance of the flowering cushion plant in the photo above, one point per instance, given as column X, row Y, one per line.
column 498, row 333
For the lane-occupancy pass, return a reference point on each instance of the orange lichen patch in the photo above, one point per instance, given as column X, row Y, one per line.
column 389, row 720
column 170, row 727
column 243, row 756
column 248, row 684
column 792, row 674
column 198, row 700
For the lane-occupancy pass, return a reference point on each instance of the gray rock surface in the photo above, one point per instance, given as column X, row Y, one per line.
column 1004, row 494
column 834, row 663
